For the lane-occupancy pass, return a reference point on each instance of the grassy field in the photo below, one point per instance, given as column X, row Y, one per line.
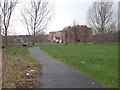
column 16, row 63
column 97, row 61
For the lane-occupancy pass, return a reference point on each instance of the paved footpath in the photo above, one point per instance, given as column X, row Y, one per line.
column 59, row 75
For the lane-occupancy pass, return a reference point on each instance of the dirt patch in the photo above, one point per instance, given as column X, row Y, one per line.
column 15, row 70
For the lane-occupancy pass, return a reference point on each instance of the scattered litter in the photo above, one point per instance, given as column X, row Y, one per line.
column 83, row 62
column 29, row 80
column 32, row 70
column 31, row 74
column 27, row 74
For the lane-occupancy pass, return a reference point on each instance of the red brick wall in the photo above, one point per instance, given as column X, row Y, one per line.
column 54, row 34
column 51, row 35
column 82, row 31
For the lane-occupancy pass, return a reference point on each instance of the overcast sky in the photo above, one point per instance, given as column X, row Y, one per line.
column 66, row 11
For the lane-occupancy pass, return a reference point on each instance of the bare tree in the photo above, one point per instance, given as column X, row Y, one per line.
column 7, row 7
column 75, row 31
column 36, row 17
column 100, row 17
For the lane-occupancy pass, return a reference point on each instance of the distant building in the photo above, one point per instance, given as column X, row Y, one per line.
column 19, row 39
column 68, row 31
column 84, row 33
column 55, row 36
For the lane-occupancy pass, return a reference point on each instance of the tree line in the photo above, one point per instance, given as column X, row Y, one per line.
column 103, row 21
column 37, row 14
column 35, row 17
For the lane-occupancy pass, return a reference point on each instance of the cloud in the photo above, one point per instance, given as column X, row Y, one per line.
column 66, row 11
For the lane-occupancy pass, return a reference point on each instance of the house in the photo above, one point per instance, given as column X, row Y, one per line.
column 55, row 36
column 84, row 34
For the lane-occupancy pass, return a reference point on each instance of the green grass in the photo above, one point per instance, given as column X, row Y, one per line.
column 21, row 52
column 97, row 61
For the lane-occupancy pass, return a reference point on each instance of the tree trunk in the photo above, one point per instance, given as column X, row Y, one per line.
column 66, row 38
column 76, row 43
column 65, row 43
column 85, row 40
column 33, row 40
column 76, row 39
column 6, row 37
column 102, row 35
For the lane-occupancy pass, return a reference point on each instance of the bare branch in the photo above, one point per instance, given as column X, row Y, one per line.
column 7, row 7
column 37, row 17
column 100, row 18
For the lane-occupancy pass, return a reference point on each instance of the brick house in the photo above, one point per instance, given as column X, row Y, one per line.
column 57, row 34
column 68, row 31
column 84, row 34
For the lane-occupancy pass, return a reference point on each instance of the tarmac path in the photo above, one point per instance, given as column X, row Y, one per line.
column 56, row 74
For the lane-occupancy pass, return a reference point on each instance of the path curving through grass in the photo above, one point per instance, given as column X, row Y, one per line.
column 97, row 61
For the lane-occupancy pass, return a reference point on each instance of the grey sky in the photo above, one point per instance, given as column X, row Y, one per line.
column 66, row 11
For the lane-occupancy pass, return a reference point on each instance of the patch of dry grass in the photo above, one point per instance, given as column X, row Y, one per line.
column 15, row 67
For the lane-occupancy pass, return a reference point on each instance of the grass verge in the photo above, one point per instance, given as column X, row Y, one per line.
column 16, row 62
column 97, row 61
